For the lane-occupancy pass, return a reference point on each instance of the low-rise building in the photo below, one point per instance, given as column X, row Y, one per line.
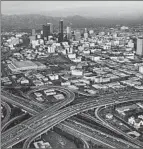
column 25, row 65
column 54, row 77
column 141, row 69
column 73, row 87
column 38, row 83
column 59, row 96
column 77, row 72
column 41, row 144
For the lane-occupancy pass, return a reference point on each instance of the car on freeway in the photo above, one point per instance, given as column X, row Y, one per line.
column 17, row 138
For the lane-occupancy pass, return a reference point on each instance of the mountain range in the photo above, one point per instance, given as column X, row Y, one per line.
column 29, row 21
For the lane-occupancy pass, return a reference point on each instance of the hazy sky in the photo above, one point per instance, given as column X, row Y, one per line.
column 65, row 8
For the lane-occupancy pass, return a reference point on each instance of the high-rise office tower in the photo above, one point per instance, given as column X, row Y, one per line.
column 61, row 34
column 139, row 50
column 46, row 31
column 135, row 43
column 69, row 32
column 51, row 27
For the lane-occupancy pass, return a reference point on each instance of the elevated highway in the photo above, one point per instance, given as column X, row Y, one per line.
column 87, row 133
column 61, row 127
column 43, row 123
column 106, row 138
column 50, row 117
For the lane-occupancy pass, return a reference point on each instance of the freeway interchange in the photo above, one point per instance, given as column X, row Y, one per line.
column 44, row 118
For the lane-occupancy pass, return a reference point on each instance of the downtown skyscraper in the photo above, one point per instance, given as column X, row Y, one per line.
column 139, row 50
column 61, row 31
column 68, row 30
column 47, row 30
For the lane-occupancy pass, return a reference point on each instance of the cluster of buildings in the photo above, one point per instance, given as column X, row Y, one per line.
column 85, row 60
column 50, row 94
column 42, row 144
column 128, row 110
column 11, row 40
column 132, row 116
column 136, row 122
column 127, row 118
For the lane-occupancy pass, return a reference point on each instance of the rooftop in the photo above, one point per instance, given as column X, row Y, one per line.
column 19, row 64
column 25, row 65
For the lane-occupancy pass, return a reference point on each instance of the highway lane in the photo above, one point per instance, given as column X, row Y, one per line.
column 112, row 140
column 88, row 116
column 27, row 105
column 11, row 121
column 82, row 133
column 20, row 102
column 8, row 113
column 85, row 143
column 49, row 123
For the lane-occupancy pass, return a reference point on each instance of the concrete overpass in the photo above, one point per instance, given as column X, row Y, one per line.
column 21, row 131
column 35, row 122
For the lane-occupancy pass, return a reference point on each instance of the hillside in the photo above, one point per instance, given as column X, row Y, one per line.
column 36, row 21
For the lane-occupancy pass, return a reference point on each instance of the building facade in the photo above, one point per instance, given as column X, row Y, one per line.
column 61, row 33
column 139, row 50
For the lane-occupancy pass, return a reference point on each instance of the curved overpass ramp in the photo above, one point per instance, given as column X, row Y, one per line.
column 34, row 107
column 8, row 113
